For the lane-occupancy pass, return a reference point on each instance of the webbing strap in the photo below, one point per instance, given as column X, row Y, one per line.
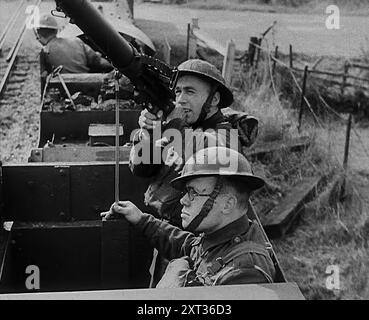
column 235, row 252
column 208, row 205
column 205, row 107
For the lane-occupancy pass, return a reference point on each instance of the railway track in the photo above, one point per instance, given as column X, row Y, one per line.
column 11, row 40
column 13, row 80
column 19, row 87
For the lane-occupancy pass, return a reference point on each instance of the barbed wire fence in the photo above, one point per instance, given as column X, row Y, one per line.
column 250, row 60
column 344, row 121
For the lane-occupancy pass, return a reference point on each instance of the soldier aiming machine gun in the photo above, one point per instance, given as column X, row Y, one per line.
column 152, row 78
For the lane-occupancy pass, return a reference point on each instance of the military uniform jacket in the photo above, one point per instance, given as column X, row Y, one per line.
column 72, row 53
column 234, row 254
column 160, row 196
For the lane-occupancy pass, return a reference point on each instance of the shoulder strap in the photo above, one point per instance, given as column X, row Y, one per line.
column 235, row 252
column 244, row 247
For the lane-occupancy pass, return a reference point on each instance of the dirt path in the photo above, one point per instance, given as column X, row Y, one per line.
column 307, row 33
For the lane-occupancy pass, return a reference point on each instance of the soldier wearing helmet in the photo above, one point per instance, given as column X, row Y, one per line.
column 216, row 184
column 200, row 95
column 200, row 92
column 72, row 53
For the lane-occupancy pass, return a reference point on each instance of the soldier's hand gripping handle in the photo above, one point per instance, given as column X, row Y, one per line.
column 149, row 120
column 123, row 209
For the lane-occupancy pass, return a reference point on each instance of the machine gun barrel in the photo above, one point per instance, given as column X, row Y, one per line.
column 150, row 76
column 102, row 33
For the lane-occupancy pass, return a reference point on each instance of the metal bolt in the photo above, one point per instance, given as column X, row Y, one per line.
column 62, row 172
column 31, row 184
column 237, row 239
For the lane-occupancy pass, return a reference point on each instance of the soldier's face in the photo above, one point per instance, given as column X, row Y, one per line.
column 42, row 39
column 191, row 93
column 193, row 201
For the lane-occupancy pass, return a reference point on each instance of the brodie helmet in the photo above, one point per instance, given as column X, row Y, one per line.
column 219, row 162
column 206, row 70
column 46, row 21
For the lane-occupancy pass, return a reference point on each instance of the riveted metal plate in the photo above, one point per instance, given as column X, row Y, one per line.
column 73, row 125
column 34, row 192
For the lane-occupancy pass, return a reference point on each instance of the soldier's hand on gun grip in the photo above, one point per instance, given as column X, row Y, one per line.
column 124, row 209
column 148, row 120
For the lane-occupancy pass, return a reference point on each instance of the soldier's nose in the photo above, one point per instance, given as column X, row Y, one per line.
column 184, row 201
column 181, row 98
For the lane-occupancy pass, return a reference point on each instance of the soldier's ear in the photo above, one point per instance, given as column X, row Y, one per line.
column 216, row 99
column 229, row 203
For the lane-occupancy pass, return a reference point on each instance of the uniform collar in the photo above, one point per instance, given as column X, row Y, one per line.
column 47, row 45
column 230, row 232
column 211, row 122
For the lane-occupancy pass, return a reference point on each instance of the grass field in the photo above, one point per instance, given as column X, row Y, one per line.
column 355, row 7
column 329, row 232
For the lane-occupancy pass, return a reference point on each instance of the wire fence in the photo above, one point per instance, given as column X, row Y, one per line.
column 272, row 61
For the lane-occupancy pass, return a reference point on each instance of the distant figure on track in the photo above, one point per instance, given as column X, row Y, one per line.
column 72, row 53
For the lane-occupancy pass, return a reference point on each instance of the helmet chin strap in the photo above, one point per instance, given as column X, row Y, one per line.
column 208, row 205
column 205, row 109
column 36, row 34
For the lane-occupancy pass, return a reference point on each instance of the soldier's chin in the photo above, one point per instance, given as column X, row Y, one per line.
column 188, row 119
column 185, row 223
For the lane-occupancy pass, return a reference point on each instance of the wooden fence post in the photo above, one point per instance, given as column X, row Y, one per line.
column 302, row 97
column 191, row 40
column 347, row 143
column 274, row 61
column 291, row 57
column 228, row 62
column 188, row 40
column 252, row 49
column 258, row 52
column 345, row 156
column 130, row 7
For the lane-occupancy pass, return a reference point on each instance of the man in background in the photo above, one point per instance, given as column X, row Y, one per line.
column 72, row 53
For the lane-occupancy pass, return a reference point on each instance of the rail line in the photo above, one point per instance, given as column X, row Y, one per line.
column 11, row 81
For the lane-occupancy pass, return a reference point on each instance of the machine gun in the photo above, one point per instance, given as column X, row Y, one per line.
column 152, row 78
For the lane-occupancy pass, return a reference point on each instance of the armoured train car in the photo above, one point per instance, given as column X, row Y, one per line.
column 75, row 141
column 50, row 207
column 50, row 221
column 77, row 110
